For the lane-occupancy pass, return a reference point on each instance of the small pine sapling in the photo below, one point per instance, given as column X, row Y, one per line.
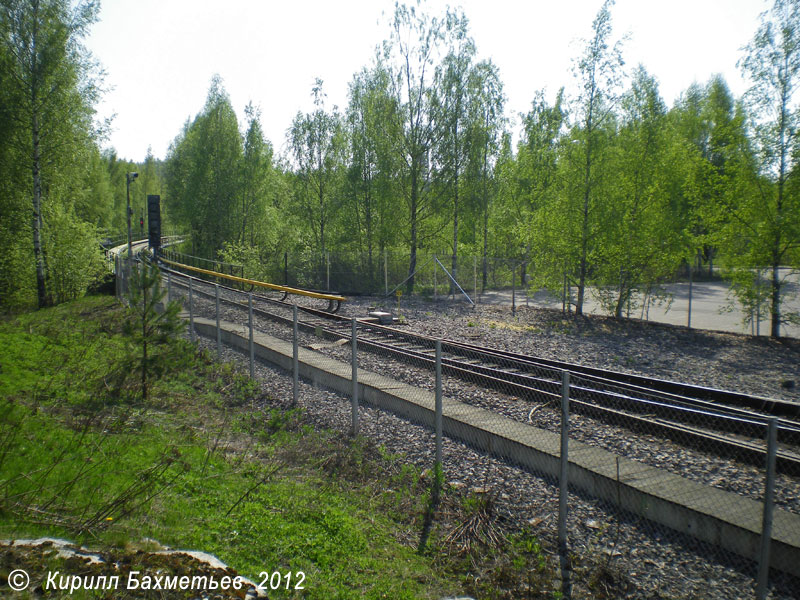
column 152, row 324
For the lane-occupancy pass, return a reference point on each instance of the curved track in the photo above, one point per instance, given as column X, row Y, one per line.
column 729, row 423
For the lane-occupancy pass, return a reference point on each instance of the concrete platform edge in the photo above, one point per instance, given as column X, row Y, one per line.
column 709, row 524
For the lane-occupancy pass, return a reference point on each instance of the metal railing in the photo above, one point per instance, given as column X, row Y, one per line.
column 630, row 505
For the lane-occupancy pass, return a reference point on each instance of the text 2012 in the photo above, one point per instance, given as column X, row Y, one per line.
column 277, row 580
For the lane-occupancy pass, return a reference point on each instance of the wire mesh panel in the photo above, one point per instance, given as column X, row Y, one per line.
column 646, row 465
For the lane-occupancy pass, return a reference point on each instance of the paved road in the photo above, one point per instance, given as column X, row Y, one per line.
column 709, row 300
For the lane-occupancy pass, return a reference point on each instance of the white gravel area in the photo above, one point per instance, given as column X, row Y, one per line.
column 704, row 467
column 756, row 366
column 651, row 562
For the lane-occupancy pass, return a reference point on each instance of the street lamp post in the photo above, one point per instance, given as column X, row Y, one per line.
column 128, row 178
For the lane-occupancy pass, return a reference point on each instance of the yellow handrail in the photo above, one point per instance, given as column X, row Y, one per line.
column 272, row 286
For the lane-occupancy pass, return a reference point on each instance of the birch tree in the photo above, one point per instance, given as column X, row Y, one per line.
column 318, row 147
column 51, row 78
column 487, row 122
column 769, row 217
column 202, row 173
column 599, row 72
column 452, row 105
column 373, row 166
column 411, row 54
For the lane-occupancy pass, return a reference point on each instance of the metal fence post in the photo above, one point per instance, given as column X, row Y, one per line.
column 434, row 278
column 475, row 277
column 354, row 360
column 191, row 310
column 219, row 332
column 385, row 272
column 766, row 526
column 563, row 498
column 169, row 287
column 438, row 404
column 758, row 304
column 524, row 282
column 513, row 288
column 689, row 317
column 250, row 322
column 295, row 358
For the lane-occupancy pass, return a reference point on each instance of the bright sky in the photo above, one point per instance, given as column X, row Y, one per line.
column 160, row 55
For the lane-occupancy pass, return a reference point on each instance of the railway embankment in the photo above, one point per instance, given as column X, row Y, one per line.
column 206, row 462
column 521, row 497
column 685, row 506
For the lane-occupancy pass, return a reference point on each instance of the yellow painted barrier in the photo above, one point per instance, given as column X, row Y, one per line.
column 272, row 286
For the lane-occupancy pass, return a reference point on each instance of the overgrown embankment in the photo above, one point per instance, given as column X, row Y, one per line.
column 204, row 463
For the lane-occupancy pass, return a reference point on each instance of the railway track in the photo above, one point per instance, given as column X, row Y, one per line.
column 727, row 423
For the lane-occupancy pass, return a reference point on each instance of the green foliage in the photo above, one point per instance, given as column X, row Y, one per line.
column 318, row 147
column 151, row 326
column 202, row 173
column 260, row 188
column 101, row 473
column 529, row 191
column 250, row 257
column 50, row 89
column 598, row 71
column 222, row 186
column 17, row 270
column 608, row 189
column 409, row 57
column 369, row 224
column 643, row 242
column 150, row 181
column 74, row 258
column 452, row 99
column 766, row 211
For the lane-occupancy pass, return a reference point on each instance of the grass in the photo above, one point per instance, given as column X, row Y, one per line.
column 211, row 463
column 197, row 467
column 494, row 324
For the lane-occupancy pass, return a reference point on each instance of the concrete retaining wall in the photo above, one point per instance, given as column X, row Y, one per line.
column 721, row 518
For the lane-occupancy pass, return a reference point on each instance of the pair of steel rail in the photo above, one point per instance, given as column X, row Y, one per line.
column 725, row 422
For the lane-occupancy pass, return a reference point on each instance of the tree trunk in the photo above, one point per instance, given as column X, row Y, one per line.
column 370, row 265
column 455, row 240
column 454, row 266
column 485, row 219
column 243, row 237
column 587, row 181
column 775, row 308
column 412, row 262
column 41, row 291
column 142, row 282
column 584, row 249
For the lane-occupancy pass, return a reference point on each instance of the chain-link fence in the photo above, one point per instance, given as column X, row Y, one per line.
column 627, row 490
column 702, row 296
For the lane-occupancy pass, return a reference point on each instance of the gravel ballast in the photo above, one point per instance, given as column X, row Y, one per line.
column 653, row 563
